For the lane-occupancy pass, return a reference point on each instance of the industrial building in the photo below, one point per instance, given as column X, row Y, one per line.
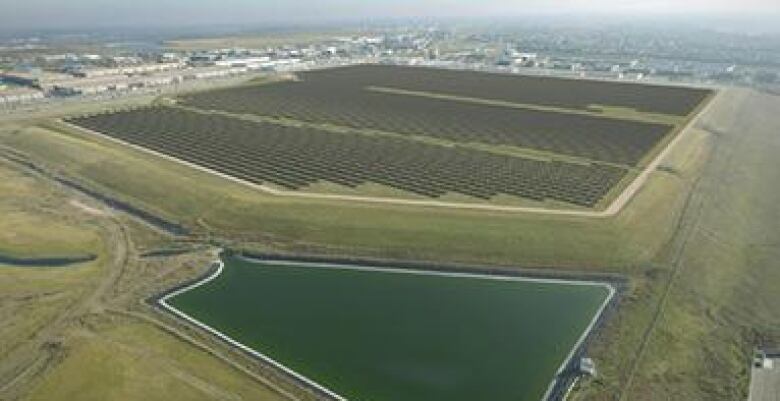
column 19, row 95
column 37, row 84
column 126, row 70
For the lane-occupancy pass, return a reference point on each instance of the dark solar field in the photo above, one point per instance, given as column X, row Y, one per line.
column 602, row 139
column 583, row 155
column 296, row 157
column 548, row 91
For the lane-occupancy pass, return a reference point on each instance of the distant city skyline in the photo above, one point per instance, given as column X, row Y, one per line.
column 42, row 14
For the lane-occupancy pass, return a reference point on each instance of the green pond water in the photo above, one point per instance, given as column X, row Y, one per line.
column 384, row 336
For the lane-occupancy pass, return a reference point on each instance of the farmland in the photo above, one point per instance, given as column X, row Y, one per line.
column 412, row 336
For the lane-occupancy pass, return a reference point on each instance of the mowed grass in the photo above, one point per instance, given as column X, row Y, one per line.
column 725, row 298
column 722, row 262
column 92, row 356
column 386, row 336
column 348, row 228
column 33, row 225
column 33, row 297
column 37, row 222
column 135, row 361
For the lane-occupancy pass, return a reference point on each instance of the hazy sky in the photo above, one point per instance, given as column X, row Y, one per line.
column 37, row 14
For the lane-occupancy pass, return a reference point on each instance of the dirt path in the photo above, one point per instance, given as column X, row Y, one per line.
column 631, row 190
column 28, row 361
column 88, row 209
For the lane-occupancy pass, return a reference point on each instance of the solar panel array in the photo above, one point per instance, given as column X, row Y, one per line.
column 338, row 101
column 294, row 158
column 515, row 88
column 391, row 145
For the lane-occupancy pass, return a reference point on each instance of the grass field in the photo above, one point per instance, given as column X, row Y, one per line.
column 37, row 223
column 719, row 296
column 380, row 335
column 132, row 360
column 33, row 225
column 57, row 341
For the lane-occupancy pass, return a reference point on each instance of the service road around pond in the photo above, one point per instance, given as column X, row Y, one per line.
column 443, row 334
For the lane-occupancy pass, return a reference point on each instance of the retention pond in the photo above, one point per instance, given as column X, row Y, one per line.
column 384, row 334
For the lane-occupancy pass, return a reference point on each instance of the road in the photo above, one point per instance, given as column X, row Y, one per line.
column 765, row 383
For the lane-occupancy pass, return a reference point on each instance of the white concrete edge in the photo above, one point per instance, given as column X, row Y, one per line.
column 163, row 301
column 569, row 390
column 424, row 272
